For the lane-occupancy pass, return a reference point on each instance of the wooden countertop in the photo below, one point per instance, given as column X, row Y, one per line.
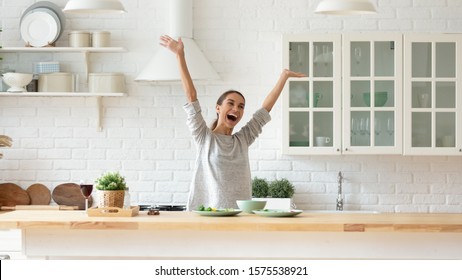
column 307, row 222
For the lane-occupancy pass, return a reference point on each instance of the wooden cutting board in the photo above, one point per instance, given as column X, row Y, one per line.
column 39, row 194
column 37, row 207
column 69, row 194
column 12, row 195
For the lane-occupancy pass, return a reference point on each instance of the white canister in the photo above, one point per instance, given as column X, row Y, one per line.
column 79, row 39
column 106, row 82
column 56, row 82
column 100, row 39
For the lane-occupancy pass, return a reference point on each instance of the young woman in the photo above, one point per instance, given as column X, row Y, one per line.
column 222, row 171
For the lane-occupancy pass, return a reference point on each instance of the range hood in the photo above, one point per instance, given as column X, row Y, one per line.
column 163, row 66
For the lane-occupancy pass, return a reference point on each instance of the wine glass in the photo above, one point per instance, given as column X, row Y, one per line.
column 300, row 53
column 325, row 54
column 364, row 126
column 358, row 54
column 354, row 129
column 316, row 54
column 378, row 126
column 390, row 126
column 86, row 190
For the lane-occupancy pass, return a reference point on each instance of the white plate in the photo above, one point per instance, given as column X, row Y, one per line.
column 219, row 212
column 39, row 28
column 50, row 6
column 277, row 212
column 55, row 17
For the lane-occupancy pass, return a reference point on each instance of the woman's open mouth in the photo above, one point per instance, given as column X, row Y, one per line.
column 232, row 118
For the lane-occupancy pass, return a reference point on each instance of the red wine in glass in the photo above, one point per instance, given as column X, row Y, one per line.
column 86, row 190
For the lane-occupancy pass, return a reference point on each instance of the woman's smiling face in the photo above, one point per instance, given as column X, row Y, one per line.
column 230, row 112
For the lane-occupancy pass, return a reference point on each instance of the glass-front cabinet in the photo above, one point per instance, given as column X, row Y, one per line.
column 372, row 93
column 312, row 105
column 432, row 92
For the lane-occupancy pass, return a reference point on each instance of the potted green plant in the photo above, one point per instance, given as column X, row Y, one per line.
column 278, row 193
column 259, row 187
column 111, row 187
column 281, row 189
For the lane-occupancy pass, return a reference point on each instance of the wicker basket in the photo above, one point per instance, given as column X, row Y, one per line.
column 111, row 198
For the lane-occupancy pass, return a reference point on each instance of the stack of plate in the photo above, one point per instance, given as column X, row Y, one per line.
column 42, row 24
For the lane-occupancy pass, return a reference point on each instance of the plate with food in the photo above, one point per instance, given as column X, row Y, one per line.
column 277, row 212
column 219, row 212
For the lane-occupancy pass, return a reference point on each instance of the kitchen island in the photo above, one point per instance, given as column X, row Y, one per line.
column 310, row 235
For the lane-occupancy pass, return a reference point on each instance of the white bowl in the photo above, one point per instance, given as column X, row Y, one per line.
column 17, row 81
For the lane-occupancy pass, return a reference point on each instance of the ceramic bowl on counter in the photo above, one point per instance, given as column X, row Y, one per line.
column 249, row 205
column 17, row 81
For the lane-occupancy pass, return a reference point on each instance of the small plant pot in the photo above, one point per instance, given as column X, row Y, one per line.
column 111, row 198
column 277, row 203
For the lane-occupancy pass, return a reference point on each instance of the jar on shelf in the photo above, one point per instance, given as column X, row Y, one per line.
column 106, row 82
column 100, row 39
column 79, row 39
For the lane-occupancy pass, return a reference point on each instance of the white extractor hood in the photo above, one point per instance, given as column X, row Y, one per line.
column 163, row 66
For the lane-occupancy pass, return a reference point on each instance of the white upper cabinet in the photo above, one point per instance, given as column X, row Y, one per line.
column 332, row 111
column 372, row 93
column 432, row 94
column 312, row 105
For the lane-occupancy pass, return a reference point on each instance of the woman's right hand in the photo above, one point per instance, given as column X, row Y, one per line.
column 176, row 47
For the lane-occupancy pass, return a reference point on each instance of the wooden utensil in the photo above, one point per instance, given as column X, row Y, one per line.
column 39, row 207
column 12, row 195
column 69, row 194
column 5, row 141
column 39, row 194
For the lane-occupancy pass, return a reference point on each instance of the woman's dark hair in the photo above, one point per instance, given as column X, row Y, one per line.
column 220, row 101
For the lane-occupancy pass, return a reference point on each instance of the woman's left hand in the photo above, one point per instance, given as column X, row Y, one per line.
column 292, row 74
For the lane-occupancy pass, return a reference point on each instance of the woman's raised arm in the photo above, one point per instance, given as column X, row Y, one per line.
column 274, row 94
column 177, row 48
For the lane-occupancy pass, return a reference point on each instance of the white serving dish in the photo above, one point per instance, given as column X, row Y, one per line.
column 17, row 81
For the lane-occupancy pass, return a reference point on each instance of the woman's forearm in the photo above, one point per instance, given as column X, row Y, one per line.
column 186, row 79
column 177, row 47
column 274, row 94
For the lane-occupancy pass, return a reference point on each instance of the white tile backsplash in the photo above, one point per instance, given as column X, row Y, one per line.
column 145, row 136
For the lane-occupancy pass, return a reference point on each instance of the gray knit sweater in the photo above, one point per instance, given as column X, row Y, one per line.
column 222, row 171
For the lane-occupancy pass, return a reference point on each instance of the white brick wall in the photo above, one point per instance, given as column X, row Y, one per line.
column 145, row 136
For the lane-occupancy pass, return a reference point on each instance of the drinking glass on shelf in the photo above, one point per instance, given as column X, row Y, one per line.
column 86, row 190
column 364, row 126
column 390, row 126
column 325, row 54
column 358, row 54
column 300, row 53
column 354, row 129
column 317, row 56
column 378, row 126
